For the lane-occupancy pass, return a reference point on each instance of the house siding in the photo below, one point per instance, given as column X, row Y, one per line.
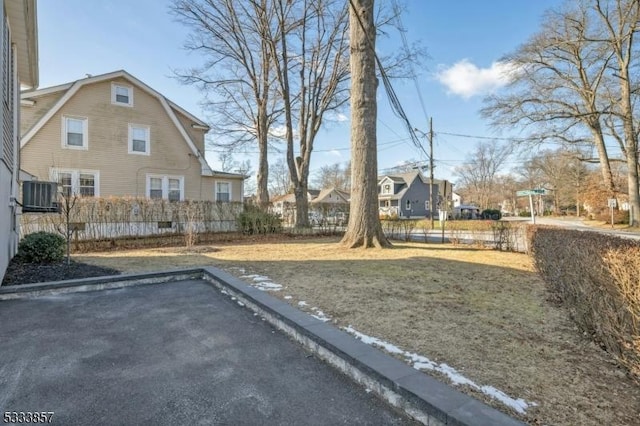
column 9, row 155
column 29, row 115
column 417, row 193
column 121, row 173
column 196, row 135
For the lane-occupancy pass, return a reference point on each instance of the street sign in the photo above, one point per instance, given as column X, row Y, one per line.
column 531, row 192
column 611, row 202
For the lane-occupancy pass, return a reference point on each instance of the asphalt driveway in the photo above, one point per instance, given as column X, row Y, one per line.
column 167, row 354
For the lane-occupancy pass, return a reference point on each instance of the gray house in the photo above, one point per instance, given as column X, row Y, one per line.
column 406, row 195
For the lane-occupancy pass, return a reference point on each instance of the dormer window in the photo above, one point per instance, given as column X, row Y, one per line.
column 121, row 95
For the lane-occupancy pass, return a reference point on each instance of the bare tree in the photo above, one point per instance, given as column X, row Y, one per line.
column 279, row 178
column 67, row 209
column 562, row 172
column 579, row 73
column 477, row 176
column 363, row 229
column 237, row 72
column 310, row 52
column 334, row 176
column 556, row 81
column 408, row 166
column 621, row 22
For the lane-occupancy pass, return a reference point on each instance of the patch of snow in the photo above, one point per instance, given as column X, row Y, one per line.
column 317, row 313
column 256, row 278
column 320, row 316
column 374, row 341
column 240, row 303
column 288, row 297
column 420, row 362
column 267, row 286
column 262, row 283
column 224, row 292
column 518, row 404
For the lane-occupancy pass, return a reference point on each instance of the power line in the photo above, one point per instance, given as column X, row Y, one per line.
column 396, row 106
column 391, row 142
column 405, row 44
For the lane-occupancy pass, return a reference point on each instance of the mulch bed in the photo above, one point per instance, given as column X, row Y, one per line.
column 27, row 273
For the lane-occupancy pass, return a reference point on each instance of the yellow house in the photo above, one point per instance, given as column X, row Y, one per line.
column 112, row 135
column 19, row 67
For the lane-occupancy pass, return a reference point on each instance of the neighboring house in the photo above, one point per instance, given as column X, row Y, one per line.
column 285, row 205
column 112, row 135
column 331, row 199
column 328, row 203
column 406, row 195
column 19, row 67
column 331, row 206
column 457, row 199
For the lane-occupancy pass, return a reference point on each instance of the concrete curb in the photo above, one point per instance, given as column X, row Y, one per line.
column 419, row 395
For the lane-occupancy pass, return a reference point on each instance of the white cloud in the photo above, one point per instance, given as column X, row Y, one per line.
column 335, row 153
column 338, row 117
column 279, row 132
column 466, row 79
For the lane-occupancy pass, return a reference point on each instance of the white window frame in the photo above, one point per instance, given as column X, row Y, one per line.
column 407, row 205
column 215, row 189
column 85, row 132
column 165, row 185
column 147, row 144
column 114, row 100
column 387, row 188
column 426, row 205
column 75, row 179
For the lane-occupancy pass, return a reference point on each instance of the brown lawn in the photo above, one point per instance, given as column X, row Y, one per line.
column 482, row 312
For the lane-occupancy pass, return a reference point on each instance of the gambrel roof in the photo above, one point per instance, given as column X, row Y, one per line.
column 68, row 90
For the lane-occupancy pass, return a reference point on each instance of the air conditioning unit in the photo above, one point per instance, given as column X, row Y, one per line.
column 40, row 197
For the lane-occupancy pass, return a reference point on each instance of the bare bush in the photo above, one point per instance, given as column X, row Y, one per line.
column 597, row 278
column 98, row 219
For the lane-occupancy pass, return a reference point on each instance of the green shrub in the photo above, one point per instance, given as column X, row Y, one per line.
column 41, row 247
column 491, row 214
column 256, row 221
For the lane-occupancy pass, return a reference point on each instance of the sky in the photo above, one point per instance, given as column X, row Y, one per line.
column 464, row 41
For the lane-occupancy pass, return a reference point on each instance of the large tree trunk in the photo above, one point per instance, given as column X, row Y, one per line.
column 621, row 21
column 364, row 229
column 302, row 204
column 631, row 154
column 603, row 156
column 262, row 175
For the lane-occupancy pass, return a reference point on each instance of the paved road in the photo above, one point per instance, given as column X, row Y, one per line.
column 178, row 353
column 580, row 226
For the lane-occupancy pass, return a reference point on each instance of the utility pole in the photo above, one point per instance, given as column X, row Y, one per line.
column 430, row 137
column 431, row 203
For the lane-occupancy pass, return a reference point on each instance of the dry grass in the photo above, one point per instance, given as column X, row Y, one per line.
column 485, row 313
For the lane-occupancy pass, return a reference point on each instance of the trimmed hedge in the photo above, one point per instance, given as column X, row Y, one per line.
column 256, row 221
column 597, row 276
column 41, row 247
